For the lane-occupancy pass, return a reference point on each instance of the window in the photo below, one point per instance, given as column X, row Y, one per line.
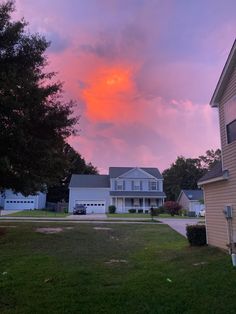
column 119, row 185
column 153, row 185
column 136, row 185
column 231, row 131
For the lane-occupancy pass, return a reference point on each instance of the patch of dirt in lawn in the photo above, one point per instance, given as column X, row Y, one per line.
column 49, row 230
column 116, row 261
column 102, row 228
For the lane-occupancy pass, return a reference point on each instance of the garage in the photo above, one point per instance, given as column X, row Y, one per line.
column 93, row 206
column 19, row 204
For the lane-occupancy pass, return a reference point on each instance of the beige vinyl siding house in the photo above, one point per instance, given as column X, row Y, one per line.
column 219, row 185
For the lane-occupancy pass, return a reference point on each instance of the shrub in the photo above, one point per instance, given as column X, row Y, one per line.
column 146, row 211
column 196, row 235
column 132, row 211
column 183, row 212
column 111, row 209
column 172, row 208
column 191, row 214
column 161, row 210
column 155, row 212
column 140, row 211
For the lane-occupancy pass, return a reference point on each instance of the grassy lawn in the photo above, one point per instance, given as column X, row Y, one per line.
column 124, row 269
column 37, row 213
column 128, row 215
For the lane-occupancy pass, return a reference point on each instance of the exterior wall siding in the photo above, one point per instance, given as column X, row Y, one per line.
column 219, row 194
column 93, row 194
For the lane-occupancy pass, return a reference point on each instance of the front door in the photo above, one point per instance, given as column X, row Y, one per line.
column 119, row 205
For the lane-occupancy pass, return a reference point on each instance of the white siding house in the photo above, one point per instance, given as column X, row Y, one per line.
column 12, row 201
column 191, row 200
column 125, row 187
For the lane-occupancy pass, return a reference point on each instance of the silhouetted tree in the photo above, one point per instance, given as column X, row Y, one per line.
column 34, row 120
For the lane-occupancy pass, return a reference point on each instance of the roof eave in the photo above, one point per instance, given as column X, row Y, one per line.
column 225, row 176
column 223, row 77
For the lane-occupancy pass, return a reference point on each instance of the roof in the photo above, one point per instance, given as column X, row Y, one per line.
column 89, row 181
column 137, row 193
column 215, row 174
column 118, row 171
column 193, row 195
column 225, row 75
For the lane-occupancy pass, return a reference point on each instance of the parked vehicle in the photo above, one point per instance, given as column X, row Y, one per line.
column 202, row 213
column 79, row 209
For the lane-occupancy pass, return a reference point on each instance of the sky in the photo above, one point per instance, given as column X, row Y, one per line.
column 142, row 73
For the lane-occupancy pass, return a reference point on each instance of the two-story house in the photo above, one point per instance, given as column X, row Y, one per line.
column 125, row 187
column 219, row 184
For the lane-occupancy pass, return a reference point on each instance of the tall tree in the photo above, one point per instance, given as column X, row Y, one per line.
column 34, row 120
column 211, row 157
column 184, row 173
column 75, row 165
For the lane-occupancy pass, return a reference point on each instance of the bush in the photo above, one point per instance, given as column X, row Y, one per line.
column 111, row 209
column 191, row 214
column 146, row 211
column 155, row 212
column 196, row 235
column 183, row 212
column 172, row 208
column 161, row 210
column 132, row 211
column 140, row 211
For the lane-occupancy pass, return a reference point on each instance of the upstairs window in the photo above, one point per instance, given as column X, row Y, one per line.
column 231, row 131
column 136, row 185
column 153, row 186
column 230, row 119
column 119, row 185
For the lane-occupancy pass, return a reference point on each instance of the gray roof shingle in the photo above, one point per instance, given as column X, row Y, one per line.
column 118, row 171
column 215, row 172
column 89, row 181
column 194, row 195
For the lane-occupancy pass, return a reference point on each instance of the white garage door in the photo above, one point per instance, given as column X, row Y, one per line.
column 93, row 207
column 19, row 204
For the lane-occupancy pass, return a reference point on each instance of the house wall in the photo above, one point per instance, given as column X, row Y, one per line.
column 219, row 194
column 144, row 184
column 184, row 201
column 39, row 199
column 92, row 194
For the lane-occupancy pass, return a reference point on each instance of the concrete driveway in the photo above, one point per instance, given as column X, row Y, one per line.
column 179, row 225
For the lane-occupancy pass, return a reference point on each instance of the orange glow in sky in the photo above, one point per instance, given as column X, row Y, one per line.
column 105, row 89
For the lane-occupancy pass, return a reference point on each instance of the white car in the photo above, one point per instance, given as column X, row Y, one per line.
column 202, row 213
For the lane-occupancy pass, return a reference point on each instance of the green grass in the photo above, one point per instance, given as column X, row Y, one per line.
column 37, row 213
column 128, row 215
column 126, row 269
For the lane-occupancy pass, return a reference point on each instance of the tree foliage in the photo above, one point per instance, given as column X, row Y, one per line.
column 172, row 208
column 184, row 173
column 75, row 165
column 34, row 120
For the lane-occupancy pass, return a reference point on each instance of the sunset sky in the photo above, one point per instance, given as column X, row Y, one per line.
column 141, row 71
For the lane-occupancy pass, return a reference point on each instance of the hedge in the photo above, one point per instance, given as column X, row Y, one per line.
column 196, row 234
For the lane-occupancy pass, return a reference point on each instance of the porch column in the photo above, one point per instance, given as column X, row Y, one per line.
column 123, row 204
column 143, row 203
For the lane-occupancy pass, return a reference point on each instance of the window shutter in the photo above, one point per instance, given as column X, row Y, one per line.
column 115, row 185
column 124, row 185
column 132, row 185
column 141, row 185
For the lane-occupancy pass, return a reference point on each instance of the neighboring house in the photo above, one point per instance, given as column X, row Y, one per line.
column 219, row 184
column 191, row 200
column 125, row 187
column 10, row 200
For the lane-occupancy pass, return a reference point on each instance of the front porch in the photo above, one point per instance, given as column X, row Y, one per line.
column 137, row 204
